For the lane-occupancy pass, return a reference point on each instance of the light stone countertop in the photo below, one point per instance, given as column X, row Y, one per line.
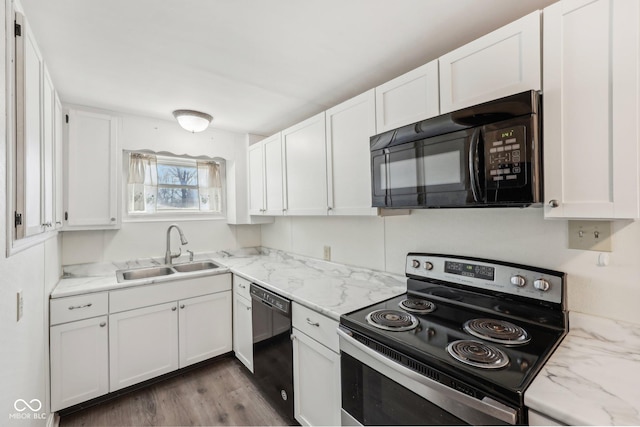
column 593, row 376
column 326, row 287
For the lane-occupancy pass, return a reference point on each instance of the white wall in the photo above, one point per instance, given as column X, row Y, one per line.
column 148, row 239
column 23, row 344
column 515, row 235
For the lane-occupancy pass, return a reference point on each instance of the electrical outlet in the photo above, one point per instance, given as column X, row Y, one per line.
column 327, row 253
column 590, row 235
column 19, row 306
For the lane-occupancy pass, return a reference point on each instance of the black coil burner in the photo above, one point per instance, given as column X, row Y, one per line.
column 498, row 331
column 392, row 320
column 478, row 354
column 416, row 305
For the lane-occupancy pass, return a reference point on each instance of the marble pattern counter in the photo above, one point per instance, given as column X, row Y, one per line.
column 329, row 288
column 593, row 377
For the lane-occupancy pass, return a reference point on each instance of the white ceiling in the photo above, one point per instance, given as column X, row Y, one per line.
column 257, row 66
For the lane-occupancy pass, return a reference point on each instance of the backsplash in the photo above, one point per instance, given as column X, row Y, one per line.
column 515, row 235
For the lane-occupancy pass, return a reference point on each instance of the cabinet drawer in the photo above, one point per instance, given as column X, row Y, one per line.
column 63, row 310
column 241, row 287
column 158, row 293
column 317, row 326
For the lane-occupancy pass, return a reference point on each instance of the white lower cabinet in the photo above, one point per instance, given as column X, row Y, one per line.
column 79, row 361
column 204, row 327
column 316, row 368
column 242, row 333
column 143, row 344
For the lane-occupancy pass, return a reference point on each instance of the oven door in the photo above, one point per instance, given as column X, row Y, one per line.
column 441, row 171
column 378, row 391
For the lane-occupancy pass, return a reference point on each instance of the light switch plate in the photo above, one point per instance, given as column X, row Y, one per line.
column 19, row 306
column 590, row 235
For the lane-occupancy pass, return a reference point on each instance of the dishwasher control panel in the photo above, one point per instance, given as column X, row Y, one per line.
column 271, row 299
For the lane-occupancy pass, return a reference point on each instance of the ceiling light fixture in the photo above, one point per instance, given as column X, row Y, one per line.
column 193, row 121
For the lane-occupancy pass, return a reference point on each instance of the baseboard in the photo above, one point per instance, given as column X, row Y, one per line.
column 53, row 420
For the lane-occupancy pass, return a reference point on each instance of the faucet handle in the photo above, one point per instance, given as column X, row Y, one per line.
column 178, row 254
column 190, row 255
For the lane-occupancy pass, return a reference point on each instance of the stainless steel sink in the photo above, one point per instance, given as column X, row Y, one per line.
column 143, row 273
column 195, row 266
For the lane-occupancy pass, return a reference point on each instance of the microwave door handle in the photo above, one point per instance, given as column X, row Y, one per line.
column 473, row 166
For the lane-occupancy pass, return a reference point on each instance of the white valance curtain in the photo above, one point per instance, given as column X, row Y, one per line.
column 142, row 182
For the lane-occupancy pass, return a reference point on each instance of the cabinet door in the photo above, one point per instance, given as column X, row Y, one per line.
column 316, row 382
column 349, row 126
column 143, row 344
column 305, row 167
column 58, row 163
column 242, row 331
column 79, row 362
column 48, row 151
column 502, row 63
column 204, row 327
column 590, row 105
column 274, row 191
column 92, row 162
column 256, row 179
column 408, row 99
column 28, row 132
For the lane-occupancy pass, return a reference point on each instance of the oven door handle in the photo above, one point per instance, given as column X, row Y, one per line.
column 487, row 405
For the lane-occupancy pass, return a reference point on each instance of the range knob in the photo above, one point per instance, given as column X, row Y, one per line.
column 518, row 281
column 415, row 263
column 428, row 265
column 541, row 285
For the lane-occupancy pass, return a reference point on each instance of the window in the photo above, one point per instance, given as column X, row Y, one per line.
column 160, row 184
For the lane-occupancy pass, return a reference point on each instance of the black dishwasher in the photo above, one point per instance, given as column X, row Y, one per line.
column 272, row 348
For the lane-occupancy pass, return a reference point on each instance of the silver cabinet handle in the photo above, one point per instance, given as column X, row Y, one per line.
column 74, row 307
column 248, row 308
column 174, row 308
column 103, row 324
column 553, row 203
column 113, row 219
column 242, row 286
column 182, row 305
column 312, row 323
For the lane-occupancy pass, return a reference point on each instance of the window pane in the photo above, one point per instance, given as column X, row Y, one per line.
column 177, row 175
column 177, row 198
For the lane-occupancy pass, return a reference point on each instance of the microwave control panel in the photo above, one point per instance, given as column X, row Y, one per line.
column 505, row 157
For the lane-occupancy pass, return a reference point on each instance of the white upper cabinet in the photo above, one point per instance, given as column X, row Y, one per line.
column 58, row 141
column 501, row 63
column 92, row 171
column 265, row 177
column 29, row 147
column 305, row 161
column 591, row 109
column 408, row 99
column 348, row 127
column 48, row 151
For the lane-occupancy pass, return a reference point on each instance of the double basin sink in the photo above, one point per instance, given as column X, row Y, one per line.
column 163, row 270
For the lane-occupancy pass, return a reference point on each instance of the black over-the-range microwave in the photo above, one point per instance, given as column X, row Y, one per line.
column 488, row 155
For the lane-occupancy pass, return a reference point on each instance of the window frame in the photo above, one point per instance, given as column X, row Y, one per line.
column 164, row 215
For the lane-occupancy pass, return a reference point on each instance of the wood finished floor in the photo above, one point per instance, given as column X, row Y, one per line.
column 219, row 394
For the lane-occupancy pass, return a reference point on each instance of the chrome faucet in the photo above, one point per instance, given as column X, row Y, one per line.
column 168, row 256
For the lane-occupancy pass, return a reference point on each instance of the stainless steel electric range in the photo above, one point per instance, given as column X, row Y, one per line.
column 460, row 347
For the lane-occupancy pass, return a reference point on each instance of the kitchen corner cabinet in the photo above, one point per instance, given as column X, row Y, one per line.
column 591, row 109
column 93, row 164
column 408, row 98
column 242, row 327
column 79, row 350
column 501, row 63
column 348, row 128
column 58, row 142
column 316, row 368
column 266, row 177
column 305, row 170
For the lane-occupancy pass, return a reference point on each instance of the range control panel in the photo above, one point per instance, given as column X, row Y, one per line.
column 514, row 279
column 505, row 157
